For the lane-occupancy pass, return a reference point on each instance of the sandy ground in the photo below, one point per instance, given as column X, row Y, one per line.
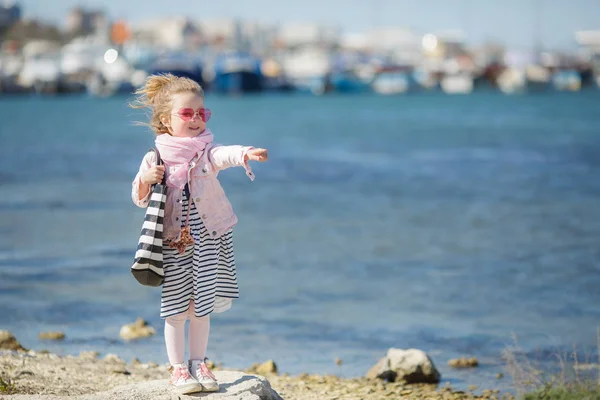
column 46, row 375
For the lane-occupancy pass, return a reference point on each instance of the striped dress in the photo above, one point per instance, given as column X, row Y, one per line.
column 204, row 272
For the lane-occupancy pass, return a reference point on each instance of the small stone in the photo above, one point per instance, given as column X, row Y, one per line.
column 113, row 358
column 499, row 375
column 120, row 370
column 137, row 330
column 268, row 367
column 9, row 342
column 136, row 361
column 472, row 387
column 51, row 335
column 21, row 373
column 490, row 392
column 164, row 367
column 89, row 355
column 463, row 362
column 149, row 365
column 338, row 361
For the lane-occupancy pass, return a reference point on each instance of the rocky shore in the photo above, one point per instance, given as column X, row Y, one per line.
column 42, row 375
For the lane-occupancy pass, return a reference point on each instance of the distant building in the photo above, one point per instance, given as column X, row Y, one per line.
column 589, row 40
column 169, row 34
column 10, row 13
column 401, row 44
column 257, row 37
column 308, row 34
column 222, row 33
column 83, row 22
column 239, row 35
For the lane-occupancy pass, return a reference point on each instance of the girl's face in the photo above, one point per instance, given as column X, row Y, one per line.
column 188, row 116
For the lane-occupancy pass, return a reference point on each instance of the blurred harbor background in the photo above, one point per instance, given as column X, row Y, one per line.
column 88, row 48
column 449, row 223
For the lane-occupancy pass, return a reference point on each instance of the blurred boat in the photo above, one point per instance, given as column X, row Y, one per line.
column 308, row 70
column 112, row 78
column 41, row 70
column 10, row 67
column 567, row 80
column 91, row 63
column 274, row 78
column 393, row 80
column 237, row 72
column 425, row 79
column 348, row 73
column 458, row 83
column 348, row 82
column 595, row 66
column 40, row 74
column 178, row 64
column 532, row 78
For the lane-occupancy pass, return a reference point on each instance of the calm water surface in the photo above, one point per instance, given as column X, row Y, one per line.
column 449, row 224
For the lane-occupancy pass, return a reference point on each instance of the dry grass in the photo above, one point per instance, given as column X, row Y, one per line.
column 573, row 380
column 7, row 386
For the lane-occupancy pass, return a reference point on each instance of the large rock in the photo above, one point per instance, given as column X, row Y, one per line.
column 233, row 385
column 9, row 342
column 410, row 366
column 139, row 329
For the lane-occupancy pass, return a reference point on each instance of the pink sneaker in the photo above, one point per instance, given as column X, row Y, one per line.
column 182, row 381
column 206, row 378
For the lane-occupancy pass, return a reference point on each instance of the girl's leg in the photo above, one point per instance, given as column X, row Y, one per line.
column 181, row 379
column 198, row 337
column 175, row 337
column 198, row 334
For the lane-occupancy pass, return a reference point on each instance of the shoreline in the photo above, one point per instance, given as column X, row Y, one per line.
column 31, row 374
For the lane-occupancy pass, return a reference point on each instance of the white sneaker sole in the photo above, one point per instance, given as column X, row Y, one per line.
column 188, row 388
column 210, row 388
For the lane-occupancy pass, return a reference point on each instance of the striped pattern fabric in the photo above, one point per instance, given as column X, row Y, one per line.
column 148, row 265
column 205, row 272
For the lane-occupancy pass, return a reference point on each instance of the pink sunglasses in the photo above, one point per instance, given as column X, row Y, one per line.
column 187, row 114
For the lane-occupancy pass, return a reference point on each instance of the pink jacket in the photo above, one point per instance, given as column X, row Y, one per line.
column 205, row 190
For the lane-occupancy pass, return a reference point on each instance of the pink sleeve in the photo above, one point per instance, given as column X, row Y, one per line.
column 223, row 157
column 148, row 161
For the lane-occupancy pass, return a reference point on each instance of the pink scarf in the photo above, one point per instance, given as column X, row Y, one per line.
column 177, row 152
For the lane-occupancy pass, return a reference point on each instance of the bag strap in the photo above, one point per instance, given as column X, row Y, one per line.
column 159, row 161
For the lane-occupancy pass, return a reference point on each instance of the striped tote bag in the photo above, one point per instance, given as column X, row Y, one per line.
column 148, row 265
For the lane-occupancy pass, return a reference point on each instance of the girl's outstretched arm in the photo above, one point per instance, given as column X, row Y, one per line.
column 223, row 157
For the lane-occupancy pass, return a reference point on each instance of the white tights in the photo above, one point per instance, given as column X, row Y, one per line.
column 198, row 331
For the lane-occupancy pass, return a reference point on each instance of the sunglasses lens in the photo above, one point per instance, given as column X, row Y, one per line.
column 205, row 113
column 186, row 114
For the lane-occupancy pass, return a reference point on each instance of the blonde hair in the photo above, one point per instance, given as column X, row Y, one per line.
column 157, row 94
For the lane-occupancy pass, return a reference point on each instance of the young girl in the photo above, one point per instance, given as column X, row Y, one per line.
column 200, row 274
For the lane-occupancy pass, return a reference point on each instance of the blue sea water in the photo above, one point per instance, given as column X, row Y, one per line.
column 461, row 226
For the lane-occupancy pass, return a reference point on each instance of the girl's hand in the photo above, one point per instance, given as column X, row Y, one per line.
column 153, row 175
column 259, row 155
